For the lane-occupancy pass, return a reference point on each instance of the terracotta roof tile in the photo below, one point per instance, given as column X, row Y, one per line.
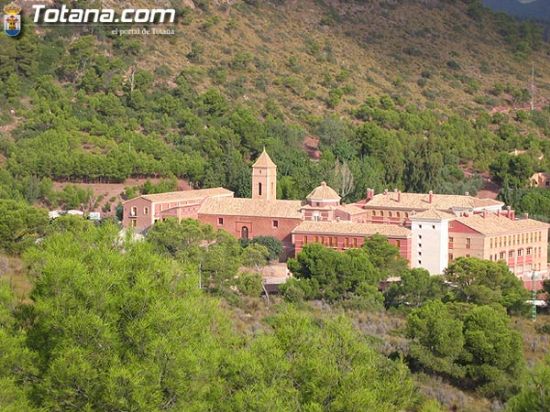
column 252, row 207
column 433, row 214
column 493, row 224
column 264, row 161
column 323, row 192
column 350, row 228
column 420, row 201
column 186, row 195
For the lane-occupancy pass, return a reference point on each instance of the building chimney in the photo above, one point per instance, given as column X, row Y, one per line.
column 467, row 194
column 399, row 196
column 370, row 194
column 385, row 192
column 526, row 215
column 430, row 196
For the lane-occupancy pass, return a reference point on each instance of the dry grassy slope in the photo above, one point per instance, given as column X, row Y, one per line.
column 367, row 40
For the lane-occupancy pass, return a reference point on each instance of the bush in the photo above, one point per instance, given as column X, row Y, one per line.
column 292, row 291
column 250, row 284
column 273, row 245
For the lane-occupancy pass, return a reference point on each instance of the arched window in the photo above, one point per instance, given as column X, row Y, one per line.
column 244, row 232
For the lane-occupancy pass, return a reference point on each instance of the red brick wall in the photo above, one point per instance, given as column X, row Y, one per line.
column 257, row 226
column 141, row 220
column 338, row 242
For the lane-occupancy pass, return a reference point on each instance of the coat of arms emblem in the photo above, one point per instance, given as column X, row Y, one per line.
column 12, row 19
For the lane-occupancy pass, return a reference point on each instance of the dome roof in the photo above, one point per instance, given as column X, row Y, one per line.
column 323, row 192
column 264, row 161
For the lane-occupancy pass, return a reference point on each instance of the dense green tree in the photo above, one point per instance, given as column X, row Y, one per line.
column 327, row 274
column 255, row 256
column 535, row 390
column 17, row 362
column 494, row 358
column 384, row 256
column 20, row 225
column 115, row 326
column 416, row 287
column 273, row 245
column 437, row 339
column 484, row 282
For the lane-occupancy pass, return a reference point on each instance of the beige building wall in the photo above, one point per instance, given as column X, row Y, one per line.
column 466, row 245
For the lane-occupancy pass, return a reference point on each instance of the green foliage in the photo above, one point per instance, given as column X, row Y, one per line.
column 416, row 287
column 535, row 390
column 494, row 351
column 437, row 339
column 255, row 256
column 274, row 246
column 512, row 170
column 20, row 225
column 384, row 256
column 17, row 362
column 327, row 274
column 113, row 325
column 477, row 349
column 484, row 282
column 250, row 284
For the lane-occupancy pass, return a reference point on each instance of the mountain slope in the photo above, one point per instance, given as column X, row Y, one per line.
column 538, row 9
column 311, row 56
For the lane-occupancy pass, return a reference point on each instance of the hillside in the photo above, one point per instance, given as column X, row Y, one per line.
column 305, row 54
column 537, row 9
column 418, row 95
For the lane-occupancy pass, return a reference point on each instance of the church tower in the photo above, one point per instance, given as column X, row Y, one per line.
column 264, row 178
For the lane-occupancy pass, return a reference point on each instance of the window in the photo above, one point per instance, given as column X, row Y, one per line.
column 502, row 254
column 146, row 210
column 244, row 232
column 389, row 214
column 468, row 243
column 419, row 236
column 347, row 242
column 451, row 257
column 433, row 226
column 520, row 252
column 419, row 253
column 420, row 226
column 355, row 242
column 133, row 223
column 451, row 240
column 511, row 254
column 133, row 211
column 419, row 262
column 259, row 189
column 529, row 251
column 420, row 245
column 275, row 224
column 220, row 221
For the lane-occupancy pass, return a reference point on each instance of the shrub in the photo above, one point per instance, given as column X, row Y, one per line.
column 250, row 284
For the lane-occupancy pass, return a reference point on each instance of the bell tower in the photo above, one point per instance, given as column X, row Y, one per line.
column 264, row 178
